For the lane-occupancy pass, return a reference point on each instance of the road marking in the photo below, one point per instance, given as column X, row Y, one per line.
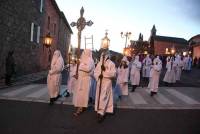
column 38, row 93
column 182, row 97
column 20, row 90
column 136, row 98
column 161, row 98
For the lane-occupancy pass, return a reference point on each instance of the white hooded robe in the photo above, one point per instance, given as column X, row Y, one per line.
column 54, row 77
column 81, row 92
column 155, row 75
column 135, row 71
column 122, row 79
column 106, row 96
column 71, row 79
column 147, row 62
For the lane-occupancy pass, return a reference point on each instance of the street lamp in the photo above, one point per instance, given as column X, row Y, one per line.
column 105, row 42
column 80, row 25
column 126, row 51
column 184, row 53
column 127, row 35
column 48, row 42
column 145, row 52
column 173, row 51
column 69, row 54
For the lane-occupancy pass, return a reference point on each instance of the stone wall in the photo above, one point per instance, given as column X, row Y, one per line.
column 64, row 39
column 15, row 27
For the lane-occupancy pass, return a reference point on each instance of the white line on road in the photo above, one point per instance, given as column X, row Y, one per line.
column 20, row 90
column 161, row 98
column 182, row 97
column 38, row 93
column 136, row 98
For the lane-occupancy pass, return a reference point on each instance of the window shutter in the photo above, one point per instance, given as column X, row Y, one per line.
column 32, row 29
column 38, row 34
column 41, row 5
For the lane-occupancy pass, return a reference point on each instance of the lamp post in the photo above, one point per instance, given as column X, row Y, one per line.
column 80, row 25
column 48, row 42
column 173, row 50
column 105, row 43
column 127, row 35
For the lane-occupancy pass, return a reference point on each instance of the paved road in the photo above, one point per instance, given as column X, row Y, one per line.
column 175, row 110
column 40, row 118
column 167, row 98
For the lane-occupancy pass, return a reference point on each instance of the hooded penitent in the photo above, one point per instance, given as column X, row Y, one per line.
column 106, row 96
column 146, row 67
column 155, row 74
column 135, row 71
column 81, row 92
column 121, row 87
column 54, row 77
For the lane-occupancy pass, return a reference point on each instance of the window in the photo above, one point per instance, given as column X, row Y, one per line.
column 38, row 34
column 41, row 5
column 35, row 33
column 54, row 29
column 32, row 28
column 48, row 25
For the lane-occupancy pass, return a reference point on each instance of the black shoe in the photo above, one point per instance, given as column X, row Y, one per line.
column 152, row 93
column 133, row 90
column 90, row 100
column 57, row 97
column 51, row 101
column 67, row 94
column 100, row 118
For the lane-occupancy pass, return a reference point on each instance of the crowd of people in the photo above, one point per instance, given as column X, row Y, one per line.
column 100, row 82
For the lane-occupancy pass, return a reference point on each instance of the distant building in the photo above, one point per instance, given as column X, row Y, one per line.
column 159, row 45
column 195, row 45
column 23, row 26
column 164, row 45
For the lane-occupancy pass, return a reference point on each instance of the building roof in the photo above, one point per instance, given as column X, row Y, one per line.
column 171, row 39
column 66, row 22
column 61, row 14
column 196, row 36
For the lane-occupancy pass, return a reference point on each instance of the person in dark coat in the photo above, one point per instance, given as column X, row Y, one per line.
column 10, row 67
column 198, row 62
column 195, row 62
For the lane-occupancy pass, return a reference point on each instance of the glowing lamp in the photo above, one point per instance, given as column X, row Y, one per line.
column 48, row 40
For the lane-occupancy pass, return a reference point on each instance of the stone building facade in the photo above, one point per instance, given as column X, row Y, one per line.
column 195, row 45
column 23, row 28
column 55, row 24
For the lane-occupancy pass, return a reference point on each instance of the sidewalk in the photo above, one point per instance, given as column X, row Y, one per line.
column 25, row 79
